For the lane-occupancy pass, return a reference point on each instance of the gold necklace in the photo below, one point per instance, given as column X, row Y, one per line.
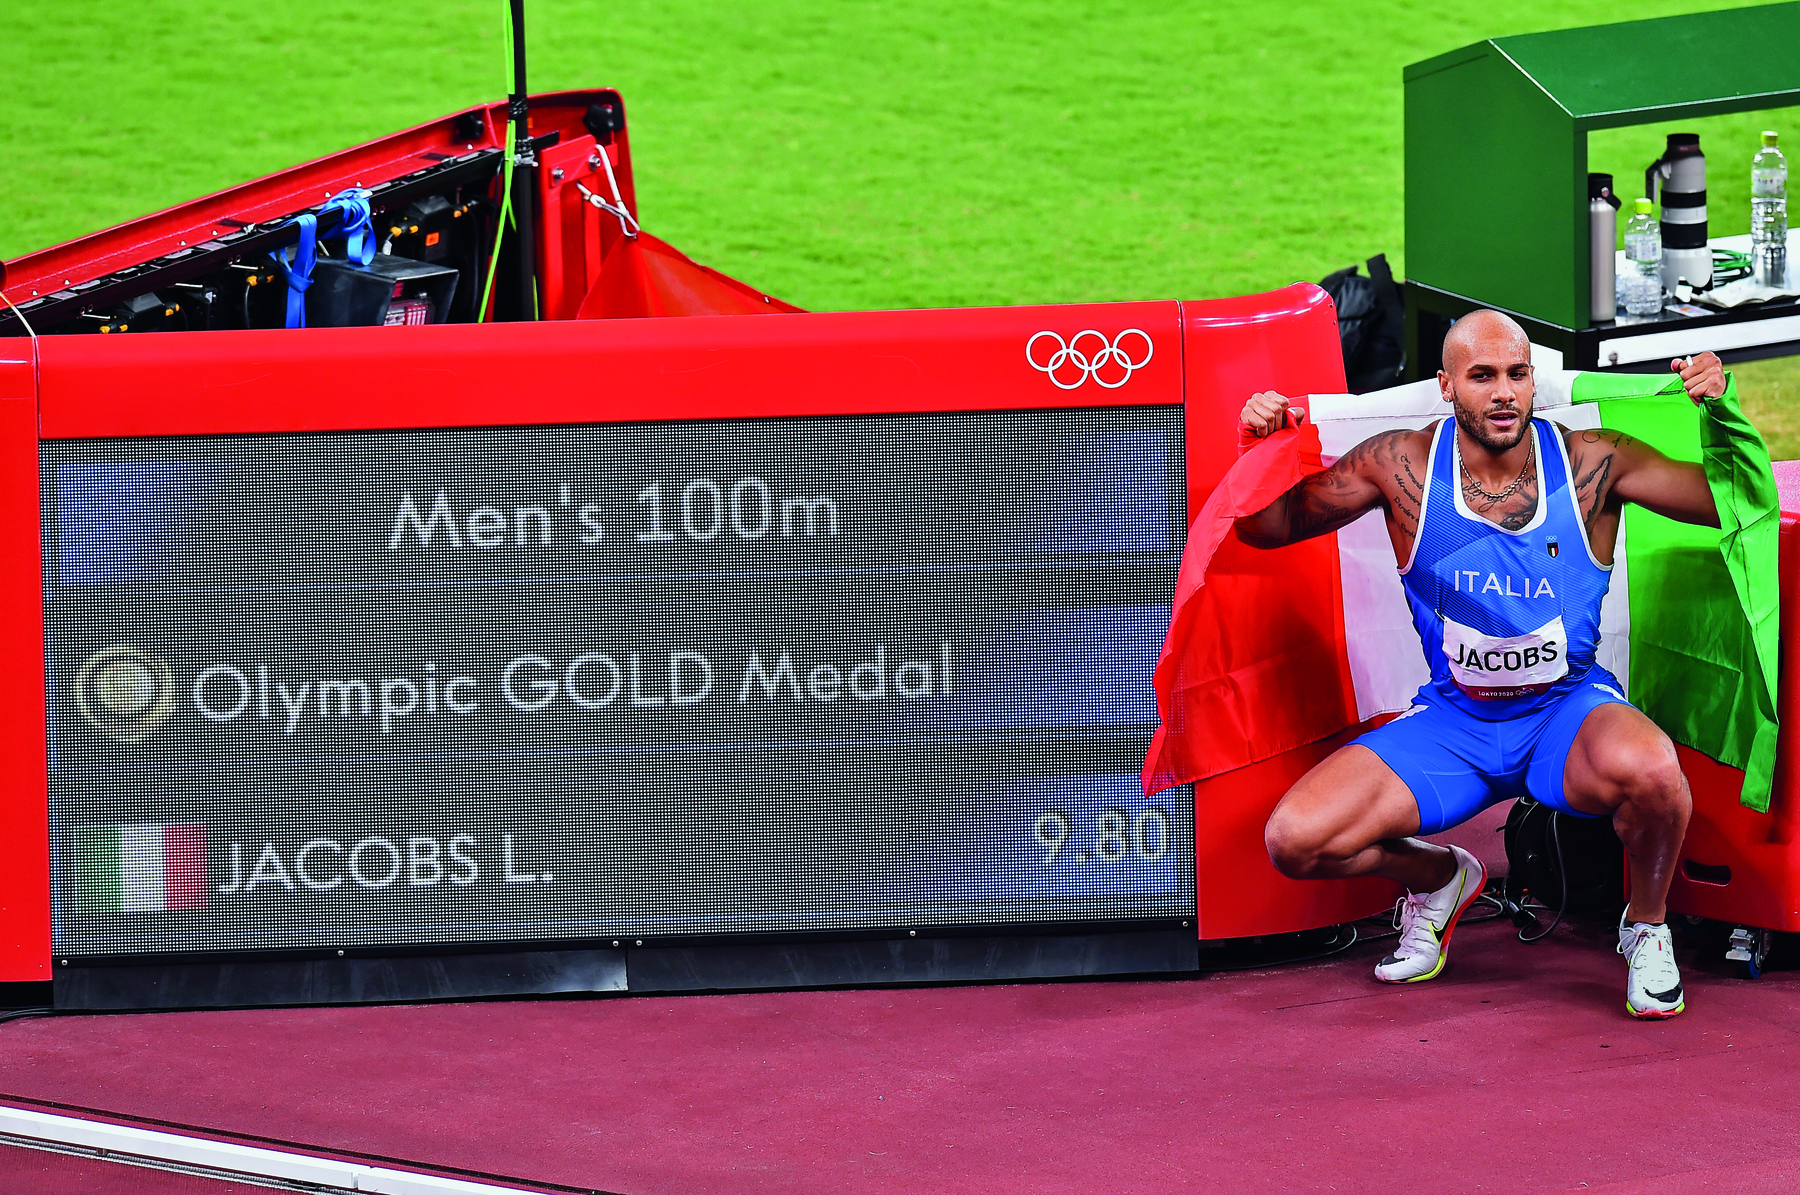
column 1530, row 454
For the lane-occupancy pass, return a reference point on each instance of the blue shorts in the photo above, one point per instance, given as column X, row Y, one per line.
column 1457, row 765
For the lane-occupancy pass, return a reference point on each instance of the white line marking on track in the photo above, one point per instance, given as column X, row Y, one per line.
column 228, row 1160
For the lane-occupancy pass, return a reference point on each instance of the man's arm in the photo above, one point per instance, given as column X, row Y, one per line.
column 1635, row 472
column 1317, row 503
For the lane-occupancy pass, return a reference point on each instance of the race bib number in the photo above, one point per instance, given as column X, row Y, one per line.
column 1492, row 668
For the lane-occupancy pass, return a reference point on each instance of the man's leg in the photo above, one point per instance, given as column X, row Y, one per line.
column 1352, row 816
column 1622, row 766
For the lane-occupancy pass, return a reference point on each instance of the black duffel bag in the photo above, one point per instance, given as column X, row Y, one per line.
column 1371, row 324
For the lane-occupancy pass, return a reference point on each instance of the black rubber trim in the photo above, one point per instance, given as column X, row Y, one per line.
column 1683, row 199
column 1684, row 236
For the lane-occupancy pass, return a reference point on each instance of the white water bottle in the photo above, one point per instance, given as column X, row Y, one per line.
column 1603, row 235
column 1768, row 213
column 1643, row 248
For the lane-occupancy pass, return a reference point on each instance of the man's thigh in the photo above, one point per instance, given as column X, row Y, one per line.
column 1449, row 764
column 1615, row 742
column 1348, row 801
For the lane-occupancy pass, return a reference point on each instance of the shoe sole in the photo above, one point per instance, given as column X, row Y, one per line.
column 1450, row 928
column 1655, row 1014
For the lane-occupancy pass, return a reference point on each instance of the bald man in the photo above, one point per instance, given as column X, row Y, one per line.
column 1503, row 529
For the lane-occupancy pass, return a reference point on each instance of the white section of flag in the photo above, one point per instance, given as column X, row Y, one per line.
column 141, row 869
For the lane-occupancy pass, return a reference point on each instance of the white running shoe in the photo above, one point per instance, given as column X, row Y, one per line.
column 1427, row 919
column 1653, row 985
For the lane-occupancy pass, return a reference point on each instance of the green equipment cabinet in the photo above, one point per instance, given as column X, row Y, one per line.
column 1496, row 176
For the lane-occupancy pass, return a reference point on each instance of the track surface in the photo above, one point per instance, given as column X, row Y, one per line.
column 1516, row 1071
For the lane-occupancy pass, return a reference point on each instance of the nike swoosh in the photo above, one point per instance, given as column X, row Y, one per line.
column 1454, row 905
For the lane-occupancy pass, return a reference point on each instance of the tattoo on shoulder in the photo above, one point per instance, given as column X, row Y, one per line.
column 1379, row 450
column 1386, row 455
column 1335, row 479
column 1604, row 436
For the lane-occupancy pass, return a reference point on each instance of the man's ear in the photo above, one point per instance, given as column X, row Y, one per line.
column 1444, row 391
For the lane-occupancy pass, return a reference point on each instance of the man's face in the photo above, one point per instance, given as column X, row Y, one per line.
column 1491, row 390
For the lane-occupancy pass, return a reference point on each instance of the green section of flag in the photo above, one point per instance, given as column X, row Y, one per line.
column 97, row 871
column 1704, row 603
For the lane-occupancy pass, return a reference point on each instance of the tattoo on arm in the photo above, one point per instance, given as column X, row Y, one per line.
column 1316, row 517
column 1405, row 501
column 1386, row 453
column 1380, row 449
column 1591, row 488
column 1336, row 496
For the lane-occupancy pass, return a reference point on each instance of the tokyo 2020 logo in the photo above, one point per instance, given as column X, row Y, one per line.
column 1089, row 354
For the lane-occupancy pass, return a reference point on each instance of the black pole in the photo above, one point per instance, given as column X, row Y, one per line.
column 524, row 172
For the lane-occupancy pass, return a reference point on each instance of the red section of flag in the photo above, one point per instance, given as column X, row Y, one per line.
column 184, row 867
column 1245, row 675
column 646, row 277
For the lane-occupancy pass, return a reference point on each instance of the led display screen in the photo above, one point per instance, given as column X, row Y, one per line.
column 566, row 683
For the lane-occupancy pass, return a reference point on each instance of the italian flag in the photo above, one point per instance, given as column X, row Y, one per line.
column 144, row 868
column 1689, row 623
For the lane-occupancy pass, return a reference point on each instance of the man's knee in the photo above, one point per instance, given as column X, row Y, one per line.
column 1645, row 772
column 1336, row 812
column 1295, row 848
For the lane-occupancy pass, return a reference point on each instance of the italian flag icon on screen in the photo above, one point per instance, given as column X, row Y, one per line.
column 143, row 868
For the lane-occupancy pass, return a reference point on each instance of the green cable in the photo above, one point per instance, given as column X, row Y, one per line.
column 506, row 212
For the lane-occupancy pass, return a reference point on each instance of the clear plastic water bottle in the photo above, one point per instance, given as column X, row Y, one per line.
column 1768, row 213
column 1642, row 281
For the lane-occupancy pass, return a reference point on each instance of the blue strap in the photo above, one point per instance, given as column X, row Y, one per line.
column 358, row 230
column 299, row 271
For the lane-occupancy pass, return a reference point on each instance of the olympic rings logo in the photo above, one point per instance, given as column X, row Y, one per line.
column 1071, row 357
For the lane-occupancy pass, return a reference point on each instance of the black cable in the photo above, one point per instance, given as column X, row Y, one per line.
column 1335, row 948
column 19, row 1014
column 1562, row 878
column 518, row 109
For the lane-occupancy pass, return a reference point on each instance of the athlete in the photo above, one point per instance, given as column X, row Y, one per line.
column 1503, row 527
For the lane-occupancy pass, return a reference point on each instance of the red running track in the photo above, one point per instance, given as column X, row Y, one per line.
column 1516, row 1071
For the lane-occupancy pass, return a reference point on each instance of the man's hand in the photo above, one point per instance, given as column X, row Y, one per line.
column 1702, row 374
column 1264, row 413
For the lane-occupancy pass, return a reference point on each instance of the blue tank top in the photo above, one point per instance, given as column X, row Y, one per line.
column 1510, row 620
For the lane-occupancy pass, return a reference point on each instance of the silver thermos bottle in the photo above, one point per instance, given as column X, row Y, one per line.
column 1603, row 239
column 1682, row 169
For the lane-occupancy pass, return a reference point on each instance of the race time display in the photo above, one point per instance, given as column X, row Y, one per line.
column 557, row 684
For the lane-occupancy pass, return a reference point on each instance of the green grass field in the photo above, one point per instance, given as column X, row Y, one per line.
column 841, row 155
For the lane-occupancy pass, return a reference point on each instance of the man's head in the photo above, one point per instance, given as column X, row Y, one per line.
column 1487, row 378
